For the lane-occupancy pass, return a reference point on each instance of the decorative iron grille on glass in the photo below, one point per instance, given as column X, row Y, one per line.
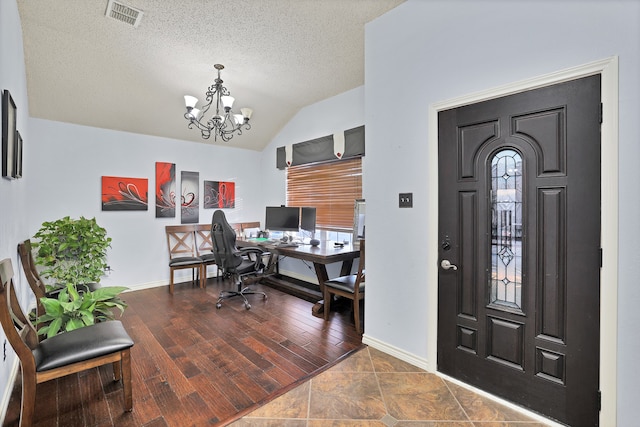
column 507, row 246
column 224, row 123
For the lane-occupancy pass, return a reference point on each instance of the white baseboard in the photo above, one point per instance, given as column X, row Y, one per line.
column 398, row 353
column 178, row 278
column 6, row 396
column 148, row 285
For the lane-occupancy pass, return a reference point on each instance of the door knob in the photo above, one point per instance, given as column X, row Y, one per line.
column 446, row 265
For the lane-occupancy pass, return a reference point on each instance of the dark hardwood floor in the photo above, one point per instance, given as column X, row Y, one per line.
column 195, row 365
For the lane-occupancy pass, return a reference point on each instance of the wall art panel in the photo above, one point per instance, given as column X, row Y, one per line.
column 190, row 213
column 8, row 135
column 165, row 190
column 124, row 194
column 218, row 194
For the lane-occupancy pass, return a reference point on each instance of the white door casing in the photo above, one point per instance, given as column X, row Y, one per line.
column 608, row 68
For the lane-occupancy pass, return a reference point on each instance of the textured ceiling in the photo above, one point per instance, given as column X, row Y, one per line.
column 279, row 56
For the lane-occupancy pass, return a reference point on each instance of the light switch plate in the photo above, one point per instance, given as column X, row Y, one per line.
column 405, row 200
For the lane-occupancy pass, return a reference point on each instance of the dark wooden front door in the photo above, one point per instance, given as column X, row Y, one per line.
column 519, row 248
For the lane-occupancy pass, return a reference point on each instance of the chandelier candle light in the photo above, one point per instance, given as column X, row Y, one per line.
column 223, row 125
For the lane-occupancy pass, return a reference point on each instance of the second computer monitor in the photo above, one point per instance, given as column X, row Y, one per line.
column 308, row 219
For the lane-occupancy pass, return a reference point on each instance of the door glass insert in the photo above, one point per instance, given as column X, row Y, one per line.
column 506, row 230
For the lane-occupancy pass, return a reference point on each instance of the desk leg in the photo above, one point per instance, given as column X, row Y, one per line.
column 323, row 276
column 272, row 264
column 321, row 272
column 346, row 267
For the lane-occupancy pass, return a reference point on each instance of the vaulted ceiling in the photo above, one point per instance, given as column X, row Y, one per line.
column 279, row 56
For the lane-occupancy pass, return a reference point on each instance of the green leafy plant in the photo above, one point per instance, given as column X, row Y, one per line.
column 73, row 309
column 72, row 251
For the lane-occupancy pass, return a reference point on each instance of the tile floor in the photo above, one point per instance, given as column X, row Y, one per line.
column 371, row 388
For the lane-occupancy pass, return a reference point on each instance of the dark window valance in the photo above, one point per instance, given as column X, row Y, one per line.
column 321, row 149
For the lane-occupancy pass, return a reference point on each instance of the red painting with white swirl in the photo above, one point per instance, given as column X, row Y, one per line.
column 124, row 194
column 165, row 190
column 219, row 194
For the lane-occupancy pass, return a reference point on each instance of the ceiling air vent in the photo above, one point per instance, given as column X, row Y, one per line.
column 124, row 13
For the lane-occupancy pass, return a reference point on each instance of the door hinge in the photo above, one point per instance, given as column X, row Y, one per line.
column 599, row 400
column 601, row 112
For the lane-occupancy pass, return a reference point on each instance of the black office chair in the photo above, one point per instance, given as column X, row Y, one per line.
column 243, row 266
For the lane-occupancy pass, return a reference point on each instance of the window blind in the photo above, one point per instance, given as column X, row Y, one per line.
column 332, row 187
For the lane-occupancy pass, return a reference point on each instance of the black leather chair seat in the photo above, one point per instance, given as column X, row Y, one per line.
column 247, row 266
column 185, row 260
column 208, row 257
column 346, row 283
column 81, row 344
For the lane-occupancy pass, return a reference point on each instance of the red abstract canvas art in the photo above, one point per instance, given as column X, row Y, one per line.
column 190, row 202
column 165, row 190
column 124, row 194
column 219, row 194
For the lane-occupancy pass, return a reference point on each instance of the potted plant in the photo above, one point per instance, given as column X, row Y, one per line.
column 72, row 309
column 73, row 253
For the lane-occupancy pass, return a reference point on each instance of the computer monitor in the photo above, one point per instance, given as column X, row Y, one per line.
column 308, row 218
column 282, row 218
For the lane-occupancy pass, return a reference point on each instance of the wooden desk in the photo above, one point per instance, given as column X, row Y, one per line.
column 320, row 256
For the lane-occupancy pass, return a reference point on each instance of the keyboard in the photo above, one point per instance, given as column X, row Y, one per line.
column 285, row 245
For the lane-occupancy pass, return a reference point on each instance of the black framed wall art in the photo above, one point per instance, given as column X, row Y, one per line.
column 17, row 156
column 9, row 134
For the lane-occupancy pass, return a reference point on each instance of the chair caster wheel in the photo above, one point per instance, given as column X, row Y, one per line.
column 218, row 305
column 247, row 306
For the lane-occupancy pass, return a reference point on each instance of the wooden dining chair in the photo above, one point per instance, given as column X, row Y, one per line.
column 249, row 225
column 204, row 248
column 183, row 254
column 237, row 227
column 33, row 277
column 351, row 286
column 64, row 354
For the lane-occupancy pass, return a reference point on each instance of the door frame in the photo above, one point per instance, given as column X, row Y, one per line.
column 608, row 69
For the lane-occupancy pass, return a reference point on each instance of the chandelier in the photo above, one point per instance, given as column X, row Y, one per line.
column 224, row 123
